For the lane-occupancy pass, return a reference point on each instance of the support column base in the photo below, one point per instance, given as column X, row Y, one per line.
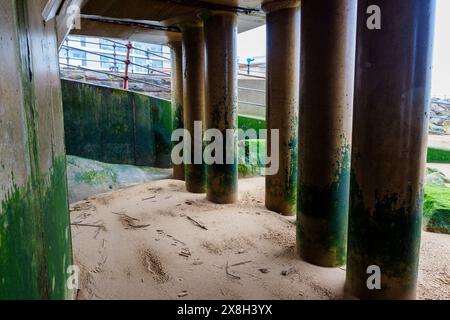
column 224, row 199
column 317, row 246
column 281, row 208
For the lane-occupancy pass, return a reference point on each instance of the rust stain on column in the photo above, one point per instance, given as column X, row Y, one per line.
column 283, row 67
column 177, row 97
column 194, row 97
column 328, row 36
column 221, row 106
column 392, row 98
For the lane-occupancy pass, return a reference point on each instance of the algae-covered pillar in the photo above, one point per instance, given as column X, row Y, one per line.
column 328, row 33
column 392, row 98
column 176, row 48
column 283, row 60
column 194, row 102
column 221, row 104
column 35, row 235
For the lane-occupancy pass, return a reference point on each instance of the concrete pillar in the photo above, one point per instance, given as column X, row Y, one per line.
column 283, row 68
column 328, row 32
column 176, row 49
column 392, row 97
column 194, row 98
column 221, row 104
column 35, row 234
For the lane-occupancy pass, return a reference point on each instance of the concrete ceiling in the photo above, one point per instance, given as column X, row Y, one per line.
column 155, row 19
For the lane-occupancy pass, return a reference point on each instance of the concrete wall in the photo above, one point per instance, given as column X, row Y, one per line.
column 116, row 126
column 252, row 96
column 35, row 240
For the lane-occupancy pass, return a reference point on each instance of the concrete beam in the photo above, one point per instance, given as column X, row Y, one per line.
column 64, row 19
column 126, row 30
column 50, row 9
column 173, row 12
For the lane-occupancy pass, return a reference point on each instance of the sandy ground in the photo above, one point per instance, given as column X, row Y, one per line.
column 442, row 167
column 439, row 141
column 156, row 241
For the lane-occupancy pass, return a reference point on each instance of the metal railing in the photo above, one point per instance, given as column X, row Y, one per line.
column 126, row 76
column 114, row 60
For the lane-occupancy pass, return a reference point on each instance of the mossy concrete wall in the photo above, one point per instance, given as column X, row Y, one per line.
column 116, row 126
column 436, row 155
column 122, row 127
column 35, row 240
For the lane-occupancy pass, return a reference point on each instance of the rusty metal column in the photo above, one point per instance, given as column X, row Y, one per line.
column 194, row 98
column 392, row 98
column 328, row 36
column 283, row 75
column 221, row 105
column 177, row 97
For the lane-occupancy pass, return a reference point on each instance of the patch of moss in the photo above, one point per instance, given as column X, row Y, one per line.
column 436, row 155
column 436, row 209
column 96, row 177
column 248, row 122
column 251, row 155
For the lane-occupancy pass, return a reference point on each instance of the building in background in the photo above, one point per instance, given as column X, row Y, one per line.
column 109, row 55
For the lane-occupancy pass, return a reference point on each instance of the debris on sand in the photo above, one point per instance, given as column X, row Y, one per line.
column 232, row 276
column 130, row 222
column 100, row 226
column 288, row 272
column 195, row 222
column 241, row 263
column 185, row 252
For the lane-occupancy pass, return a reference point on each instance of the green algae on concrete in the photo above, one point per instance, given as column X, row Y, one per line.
column 35, row 238
column 193, row 43
column 220, row 34
column 249, row 122
column 58, row 239
column 35, row 241
column 391, row 233
column 116, row 126
column 325, row 129
column 388, row 159
column 177, row 97
column 251, row 157
column 322, row 224
column 436, row 209
column 87, row 178
column 436, row 155
column 282, row 101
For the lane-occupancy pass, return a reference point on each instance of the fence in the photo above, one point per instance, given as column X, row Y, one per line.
column 115, row 62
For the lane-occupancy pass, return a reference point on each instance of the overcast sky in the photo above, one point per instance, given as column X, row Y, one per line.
column 253, row 44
